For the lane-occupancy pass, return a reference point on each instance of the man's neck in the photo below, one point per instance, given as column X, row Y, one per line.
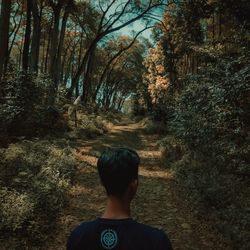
column 117, row 208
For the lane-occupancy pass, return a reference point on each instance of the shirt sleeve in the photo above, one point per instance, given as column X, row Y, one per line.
column 73, row 240
column 70, row 242
column 165, row 242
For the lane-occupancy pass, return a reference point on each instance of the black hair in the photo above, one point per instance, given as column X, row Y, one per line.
column 117, row 167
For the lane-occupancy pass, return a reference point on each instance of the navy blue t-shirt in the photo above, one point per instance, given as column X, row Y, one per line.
column 124, row 234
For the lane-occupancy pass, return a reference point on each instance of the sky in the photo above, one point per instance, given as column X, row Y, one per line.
column 137, row 25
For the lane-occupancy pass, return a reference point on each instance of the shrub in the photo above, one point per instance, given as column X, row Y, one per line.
column 102, row 124
column 211, row 117
column 34, row 178
column 90, row 126
column 27, row 105
column 201, row 180
column 153, row 127
column 211, row 113
column 15, row 208
column 171, row 149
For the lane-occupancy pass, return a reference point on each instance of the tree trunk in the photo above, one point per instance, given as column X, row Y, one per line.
column 4, row 32
column 86, row 95
column 213, row 28
column 58, row 68
column 220, row 23
column 15, row 34
column 63, row 65
column 80, row 70
column 54, row 41
column 35, row 45
column 43, row 52
column 26, row 45
column 48, row 48
column 20, row 54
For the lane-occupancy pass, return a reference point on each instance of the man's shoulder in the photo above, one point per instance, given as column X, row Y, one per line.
column 85, row 226
column 150, row 230
column 155, row 235
column 83, row 230
column 147, row 228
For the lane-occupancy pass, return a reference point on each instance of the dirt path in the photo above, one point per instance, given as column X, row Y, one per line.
column 159, row 201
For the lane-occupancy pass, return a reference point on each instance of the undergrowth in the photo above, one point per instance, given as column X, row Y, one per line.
column 34, row 178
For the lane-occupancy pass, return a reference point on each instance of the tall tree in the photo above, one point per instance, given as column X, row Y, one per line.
column 36, row 36
column 57, row 66
column 57, row 7
column 4, row 32
column 26, row 46
column 107, row 24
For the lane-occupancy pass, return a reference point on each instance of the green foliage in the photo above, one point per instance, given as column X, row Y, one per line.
column 212, row 112
column 27, row 105
column 206, row 107
column 171, row 149
column 34, row 178
column 156, row 128
column 90, row 126
column 211, row 117
column 16, row 208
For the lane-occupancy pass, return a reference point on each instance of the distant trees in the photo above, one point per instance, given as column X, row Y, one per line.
column 122, row 73
column 61, row 38
column 107, row 24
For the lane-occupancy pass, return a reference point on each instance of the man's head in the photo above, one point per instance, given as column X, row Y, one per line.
column 118, row 169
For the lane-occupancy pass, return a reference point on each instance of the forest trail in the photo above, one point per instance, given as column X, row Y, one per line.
column 160, row 202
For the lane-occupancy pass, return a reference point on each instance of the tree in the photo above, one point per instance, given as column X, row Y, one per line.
column 156, row 77
column 109, row 23
column 4, row 33
column 36, row 36
column 56, row 37
column 123, row 75
column 26, row 45
column 128, row 43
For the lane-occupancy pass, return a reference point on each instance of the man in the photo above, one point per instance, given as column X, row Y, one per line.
column 118, row 171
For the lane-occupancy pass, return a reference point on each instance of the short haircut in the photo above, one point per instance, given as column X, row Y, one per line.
column 117, row 167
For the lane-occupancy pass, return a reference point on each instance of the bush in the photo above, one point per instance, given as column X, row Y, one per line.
column 16, row 208
column 34, row 178
column 90, row 126
column 171, row 149
column 153, row 127
column 211, row 117
column 212, row 114
column 201, row 180
column 27, row 106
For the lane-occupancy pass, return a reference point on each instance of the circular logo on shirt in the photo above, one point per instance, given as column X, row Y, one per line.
column 109, row 239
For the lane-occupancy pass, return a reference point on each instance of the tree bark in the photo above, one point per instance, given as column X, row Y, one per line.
column 35, row 44
column 48, row 48
column 26, row 45
column 87, row 78
column 4, row 33
column 58, row 68
column 54, row 40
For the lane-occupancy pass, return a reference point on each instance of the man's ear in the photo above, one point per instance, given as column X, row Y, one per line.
column 134, row 186
column 135, row 183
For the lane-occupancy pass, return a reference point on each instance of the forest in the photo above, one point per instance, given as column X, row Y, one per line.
column 169, row 78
